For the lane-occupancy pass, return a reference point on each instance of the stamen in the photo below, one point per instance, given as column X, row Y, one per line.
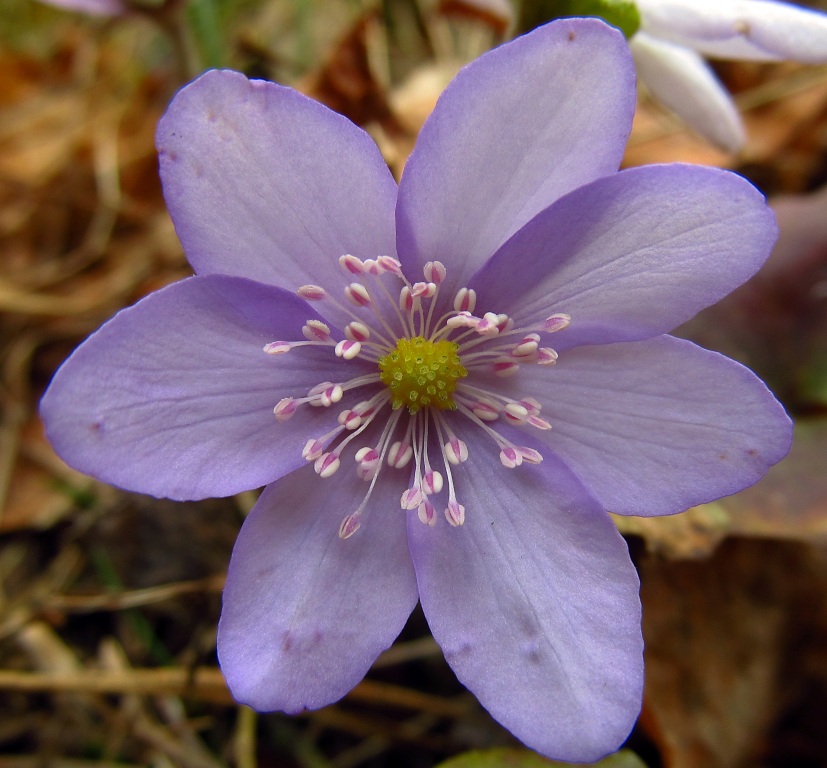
column 546, row 356
column 358, row 295
column 455, row 514
column 431, row 482
column 411, row 498
column 528, row 346
column 312, row 450
column 503, row 368
column 312, row 292
column 400, row 455
column 348, row 349
column 357, row 331
column 372, row 267
column 389, row 264
column 327, row 464
column 456, row 451
column 285, row 408
column 423, row 290
column 369, row 462
column 435, row 272
column 517, row 411
column 278, row 347
column 407, row 301
column 510, row 457
column 350, row 525
column 325, row 394
column 530, row 455
column 488, row 325
column 556, row 322
column 426, row 513
column 316, row 330
column 465, row 300
column 351, row 264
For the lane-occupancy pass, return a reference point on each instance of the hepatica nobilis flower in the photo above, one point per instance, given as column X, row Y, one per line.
column 444, row 385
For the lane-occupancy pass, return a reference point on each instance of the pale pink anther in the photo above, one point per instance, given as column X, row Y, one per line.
column 463, row 319
column 389, row 264
column 546, row 356
column 456, row 451
column 407, row 301
column 325, row 394
column 455, row 513
column 411, row 498
column 349, row 526
column 465, row 300
column 349, row 419
column 350, row 263
column 278, row 347
column 431, row 482
column 528, row 359
column 367, row 472
column 528, row 346
column 348, row 349
column 538, row 421
column 312, row 450
column 426, row 513
column 510, row 457
column 356, row 331
column 319, row 388
column 530, row 455
column 327, row 464
column 368, row 460
column 504, row 323
column 399, row 454
column 435, row 272
column 516, row 411
column 285, row 408
column 367, row 457
column 485, row 411
column 505, row 368
column 364, row 408
column 372, row 267
column 532, row 405
column 312, row 292
column 316, row 330
column 488, row 325
column 556, row 322
column 423, row 290
column 358, row 295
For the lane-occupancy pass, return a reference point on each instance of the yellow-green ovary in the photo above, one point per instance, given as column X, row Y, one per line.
column 422, row 374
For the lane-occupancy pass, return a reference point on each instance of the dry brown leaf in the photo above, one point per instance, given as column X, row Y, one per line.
column 734, row 644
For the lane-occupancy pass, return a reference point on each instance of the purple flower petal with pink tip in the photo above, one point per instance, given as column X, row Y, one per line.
column 445, row 389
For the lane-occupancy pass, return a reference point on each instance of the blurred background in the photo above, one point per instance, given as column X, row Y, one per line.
column 109, row 600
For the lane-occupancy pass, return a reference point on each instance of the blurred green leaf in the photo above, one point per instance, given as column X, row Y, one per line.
column 622, row 14
column 524, row 758
column 205, row 24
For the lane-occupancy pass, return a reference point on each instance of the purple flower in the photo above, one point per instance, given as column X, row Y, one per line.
column 424, row 446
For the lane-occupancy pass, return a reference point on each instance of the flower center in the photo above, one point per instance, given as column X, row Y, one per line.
column 420, row 368
column 422, row 374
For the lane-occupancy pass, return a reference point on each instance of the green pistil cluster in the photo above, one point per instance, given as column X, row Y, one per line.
column 422, row 374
